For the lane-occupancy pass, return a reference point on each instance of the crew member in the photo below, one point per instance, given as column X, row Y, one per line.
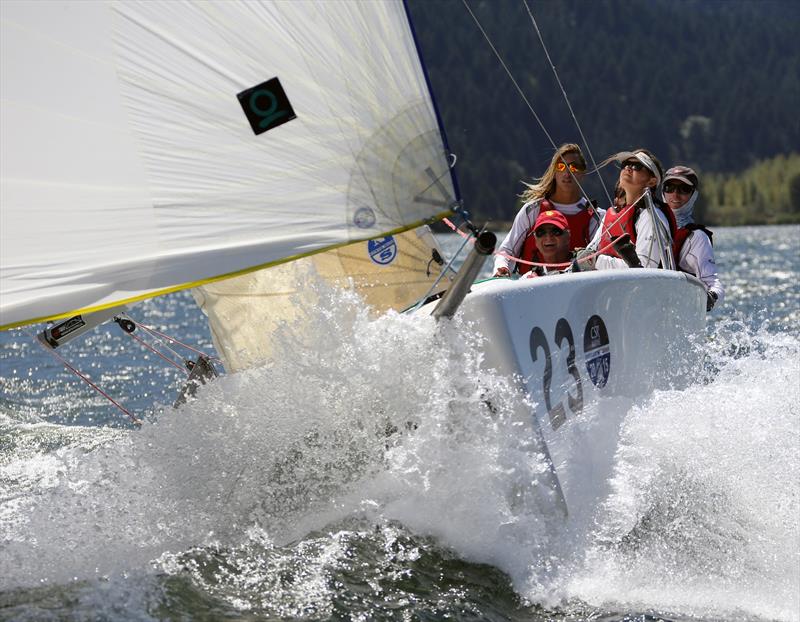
column 551, row 231
column 692, row 245
column 557, row 190
column 640, row 170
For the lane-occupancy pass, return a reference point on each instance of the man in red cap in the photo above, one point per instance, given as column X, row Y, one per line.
column 552, row 242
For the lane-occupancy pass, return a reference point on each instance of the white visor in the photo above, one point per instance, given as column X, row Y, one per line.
column 644, row 159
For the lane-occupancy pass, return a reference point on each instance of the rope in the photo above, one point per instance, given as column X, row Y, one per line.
column 519, row 90
column 158, row 334
column 583, row 259
column 524, row 98
column 88, row 381
column 507, row 256
column 622, row 213
column 154, row 333
column 566, row 99
column 157, row 353
column 163, row 344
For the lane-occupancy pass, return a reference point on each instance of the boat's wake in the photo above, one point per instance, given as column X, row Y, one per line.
column 376, row 423
column 702, row 516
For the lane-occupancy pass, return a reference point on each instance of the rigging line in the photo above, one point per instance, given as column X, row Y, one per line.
column 158, row 334
column 444, row 270
column 157, row 353
column 87, row 380
column 502, row 62
column 163, row 345
column 521, row 93
column 607, row 229
column 496, row 253
column 566, row 99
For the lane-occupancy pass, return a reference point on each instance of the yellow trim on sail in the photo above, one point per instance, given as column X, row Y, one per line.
column 177, row 288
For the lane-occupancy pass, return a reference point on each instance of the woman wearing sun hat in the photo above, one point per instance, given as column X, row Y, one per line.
column 692, row 244
column 559, row 190
column 640, row 170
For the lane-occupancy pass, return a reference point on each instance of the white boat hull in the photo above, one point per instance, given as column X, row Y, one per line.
column 583, row 347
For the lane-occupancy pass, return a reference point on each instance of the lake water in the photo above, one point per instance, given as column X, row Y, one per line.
column 216, row 511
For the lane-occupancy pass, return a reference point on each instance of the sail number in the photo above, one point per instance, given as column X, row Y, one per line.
column 598, row 364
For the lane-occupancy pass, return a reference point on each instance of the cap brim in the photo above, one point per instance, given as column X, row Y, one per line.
column 685, row 180
column 552, row 224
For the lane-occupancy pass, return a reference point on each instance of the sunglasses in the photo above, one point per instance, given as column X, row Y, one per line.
column 679, row 188
column 574, row 168
column 541, row 232
column 634, row 165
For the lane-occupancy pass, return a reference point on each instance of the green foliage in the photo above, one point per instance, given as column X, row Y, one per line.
column 713, row 84
column 794, row 195
column 765, row 193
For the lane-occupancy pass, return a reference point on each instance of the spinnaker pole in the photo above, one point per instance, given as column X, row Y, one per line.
column 484, row 246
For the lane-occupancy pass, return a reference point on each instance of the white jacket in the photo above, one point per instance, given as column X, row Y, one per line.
column 697, row 258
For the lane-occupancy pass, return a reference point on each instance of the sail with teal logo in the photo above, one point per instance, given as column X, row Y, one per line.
column 156, row 146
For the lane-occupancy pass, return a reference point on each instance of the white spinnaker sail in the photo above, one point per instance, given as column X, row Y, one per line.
column 129, row 168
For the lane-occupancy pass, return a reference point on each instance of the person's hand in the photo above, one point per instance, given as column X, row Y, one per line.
column 711, row 300
column 501, row 271
column 627, row 250
column 584, row 260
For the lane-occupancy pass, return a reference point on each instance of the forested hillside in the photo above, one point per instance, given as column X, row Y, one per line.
column 767, row 192
column 710, row 83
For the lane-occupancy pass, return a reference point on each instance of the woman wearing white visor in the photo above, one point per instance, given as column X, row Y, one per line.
column 692, row 245
column 639, row 170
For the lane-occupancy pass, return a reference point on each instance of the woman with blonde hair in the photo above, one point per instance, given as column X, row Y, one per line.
column 640, row 171
column 558, row 190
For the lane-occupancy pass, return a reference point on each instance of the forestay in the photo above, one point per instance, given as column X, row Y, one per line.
column 131, row 164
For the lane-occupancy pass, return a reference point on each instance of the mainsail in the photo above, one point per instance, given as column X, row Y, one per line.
column 154, row 146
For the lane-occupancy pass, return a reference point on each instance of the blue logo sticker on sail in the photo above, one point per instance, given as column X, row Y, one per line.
column 382, row 251
column 364, row 218
column 596, row 351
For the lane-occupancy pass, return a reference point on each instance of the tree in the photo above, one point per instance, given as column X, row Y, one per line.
column 794, row 194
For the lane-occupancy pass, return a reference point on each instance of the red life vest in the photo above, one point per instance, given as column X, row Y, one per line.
column 578, row 234
column 617, row 223
column 682, row 235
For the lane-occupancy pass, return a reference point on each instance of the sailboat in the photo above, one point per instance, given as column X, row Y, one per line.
column 231, row 147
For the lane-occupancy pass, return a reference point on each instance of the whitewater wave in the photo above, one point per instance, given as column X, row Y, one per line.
column 394, row 421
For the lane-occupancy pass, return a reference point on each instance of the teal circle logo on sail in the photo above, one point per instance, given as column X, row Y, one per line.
column 271, row 114
column 382, row 251
column 596, row 351
column 266, row 106
column 364, row 218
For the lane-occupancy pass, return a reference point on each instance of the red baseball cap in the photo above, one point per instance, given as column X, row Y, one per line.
column 551, row 217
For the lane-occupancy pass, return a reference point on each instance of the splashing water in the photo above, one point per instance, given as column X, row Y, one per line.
column 703, row 514
column 383, row 409
column 391, row 473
